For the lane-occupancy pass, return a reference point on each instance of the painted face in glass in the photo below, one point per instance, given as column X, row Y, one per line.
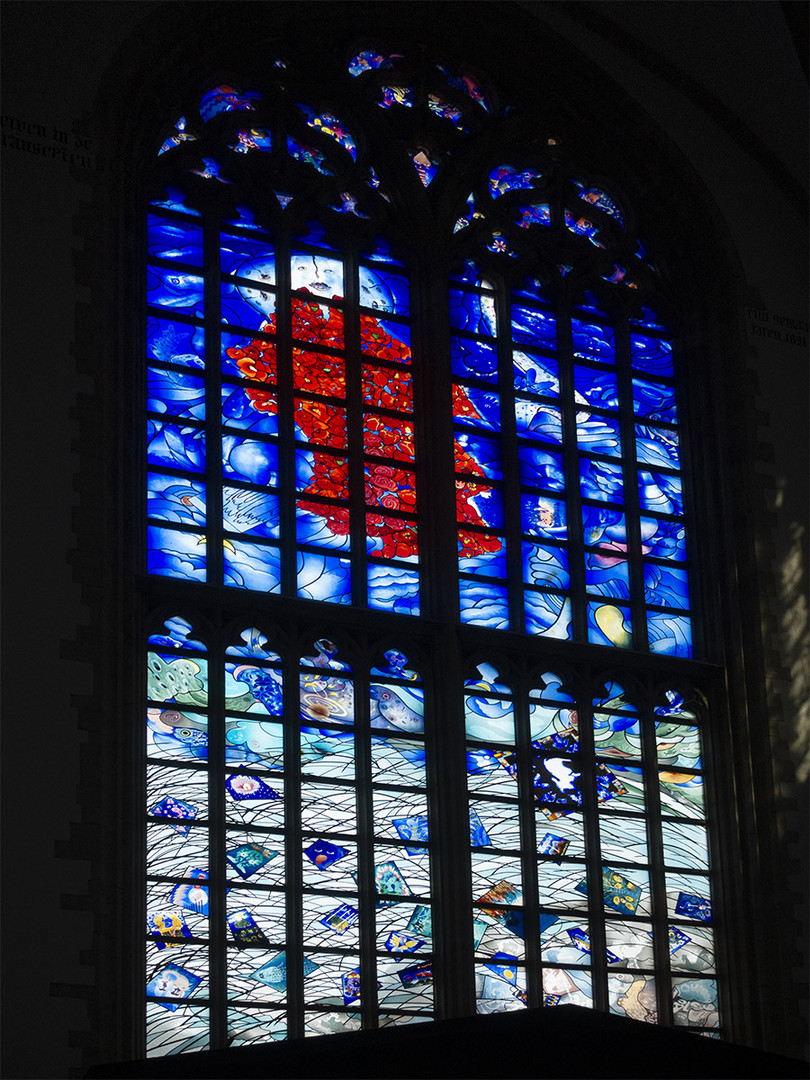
column 261, row 270
column 374, row 293
column 317, row 274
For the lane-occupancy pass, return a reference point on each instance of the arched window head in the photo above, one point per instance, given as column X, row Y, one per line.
column 413, row 393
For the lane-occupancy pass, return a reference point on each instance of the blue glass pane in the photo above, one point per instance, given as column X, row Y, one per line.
column 650, row 320
column 538, row 419
column 536, row 374
column 536, row 214
column 539, row 468
column 606, row 575
column 531, row 326
column 593, row 341
column 175, row 446
column 485, row 455
column 314, row 528
column 175, row 240
column 598, row 434
column 660, row 492
column 598, row 387
column 174, row 289
column 176, row 554
column 491, row 562
column 532, row 289
column 478, row 359
column 175, row 498
column 472, row 312
column 669, row 635
column 604, row 527
column 547, row 615
column 543, row 517
column 663, row 539
column 505, row 178
column 254, row 513
column 247, row 257
column 545, row 566
column 308, row 155
column 248, row 459
column 483, row 604
column 249, row 410
column 654, row 401
column 175, row 343
column 176, row 393
column 653, row 355
column 393, row 589
column 665, row 585
column 227, row 99
column 601, row 480
column 248, row 357
column 657, row 446
column 174, row 202
column 609, row 624
column 243, row 305
column 476, row 407
column 479, row 505
column 384, row 291
column 251, row 566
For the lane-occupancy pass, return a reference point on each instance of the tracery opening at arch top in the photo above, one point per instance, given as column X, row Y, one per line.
column 301, row 365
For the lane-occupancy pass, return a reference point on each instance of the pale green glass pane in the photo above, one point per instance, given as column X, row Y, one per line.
column 400, row 815
column 324, row 984
column 682, row 794
column 254, row 798
column 685, row 844
column 690, row 893
column 179, row 796
column 692, row 949
column 557, row 884
column 330, row 921
column 499, row 988
column 489, row 719
column 246, row 1028
column 617, row 735
column 169, row 853
column 633, row 995
column 677, row 745
column 398, row 761
column 500, row 821
column 327, row 753
column 405, row 985
column 572, row 987
column 694, row 1003
column 566, row 941
column 398, row 874
column 562, row 837
column 328, row 806
column 175, row 1032
column 330, row 1023
column 496, row 879
column 623, row 839
column 631, row 942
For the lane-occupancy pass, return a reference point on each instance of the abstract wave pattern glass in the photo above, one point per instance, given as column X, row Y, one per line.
column 299, row 368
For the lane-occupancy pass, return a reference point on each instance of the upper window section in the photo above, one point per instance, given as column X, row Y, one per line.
column 280, row 435
column 569, row 481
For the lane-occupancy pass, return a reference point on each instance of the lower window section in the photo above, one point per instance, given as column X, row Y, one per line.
column 283, row 899
column 291, row 847
column 614, row 909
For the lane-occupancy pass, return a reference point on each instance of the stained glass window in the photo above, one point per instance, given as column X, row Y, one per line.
column 400, row 412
